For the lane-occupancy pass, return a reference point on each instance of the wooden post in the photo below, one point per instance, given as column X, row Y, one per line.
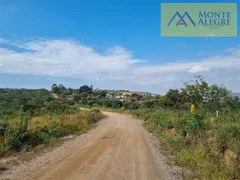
column 29, row 122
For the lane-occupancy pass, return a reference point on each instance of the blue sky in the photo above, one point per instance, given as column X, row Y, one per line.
column 109, row 44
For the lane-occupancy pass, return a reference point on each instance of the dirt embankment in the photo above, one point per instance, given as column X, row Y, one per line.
column 118, row 148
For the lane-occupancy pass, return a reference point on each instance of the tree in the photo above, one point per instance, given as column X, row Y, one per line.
column 235, row 102
column 195, row 90
column 218, row 97
column 102, row 94
column 68, row 91
column 76, row 97
column 61, row 88
column 175, row 99
column 84, row 88
column 54, row 88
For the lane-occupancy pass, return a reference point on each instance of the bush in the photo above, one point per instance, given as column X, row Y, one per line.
column 17, row 135
column 191, row 123
column 45, row 136
column 164, row 120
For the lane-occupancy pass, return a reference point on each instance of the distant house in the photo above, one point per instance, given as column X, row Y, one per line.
column 119, row 97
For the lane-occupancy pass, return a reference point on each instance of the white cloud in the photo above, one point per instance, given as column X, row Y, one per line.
column 67, row 58
column 197, row 69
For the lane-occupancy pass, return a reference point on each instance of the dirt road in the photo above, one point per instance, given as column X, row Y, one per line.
column 118, row 148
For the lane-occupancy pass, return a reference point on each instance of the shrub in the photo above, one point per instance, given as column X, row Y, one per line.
column 191, row 123
column 17, row 135
column 47, row 135
column 165, row 120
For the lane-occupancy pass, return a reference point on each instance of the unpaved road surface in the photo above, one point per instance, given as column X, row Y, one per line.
column 119, row 148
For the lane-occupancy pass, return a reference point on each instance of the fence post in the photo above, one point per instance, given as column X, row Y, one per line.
column 29, row 122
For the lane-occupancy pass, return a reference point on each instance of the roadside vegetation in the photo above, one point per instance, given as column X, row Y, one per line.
column 206, row 143
column 29, row 118
column 207, row 147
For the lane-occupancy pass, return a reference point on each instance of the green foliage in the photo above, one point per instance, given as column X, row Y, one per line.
column 54, row 88
column 17, row 135
column 48, row 134
column 191, row 123
column 174, row 99
column 199, row 143
column 195, row 90
column 85, row 88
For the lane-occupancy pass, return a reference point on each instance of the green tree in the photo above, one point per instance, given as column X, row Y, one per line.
column 102, row 94
column 195, row 91
column 175, row 99
column 61, row 89
column 54, row 88
column 84, row 88
column 218, row 97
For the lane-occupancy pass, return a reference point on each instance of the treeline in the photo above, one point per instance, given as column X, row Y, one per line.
column 204, row 96
column 198, row 92
column 61, row 89
column 31, row 102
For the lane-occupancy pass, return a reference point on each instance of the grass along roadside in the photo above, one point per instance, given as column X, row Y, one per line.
column 19, row 136
column 206, row 148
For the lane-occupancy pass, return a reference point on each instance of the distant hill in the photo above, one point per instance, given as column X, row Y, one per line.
column 236, row 94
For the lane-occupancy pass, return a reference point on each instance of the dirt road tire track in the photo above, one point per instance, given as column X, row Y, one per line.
column 119, row 148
